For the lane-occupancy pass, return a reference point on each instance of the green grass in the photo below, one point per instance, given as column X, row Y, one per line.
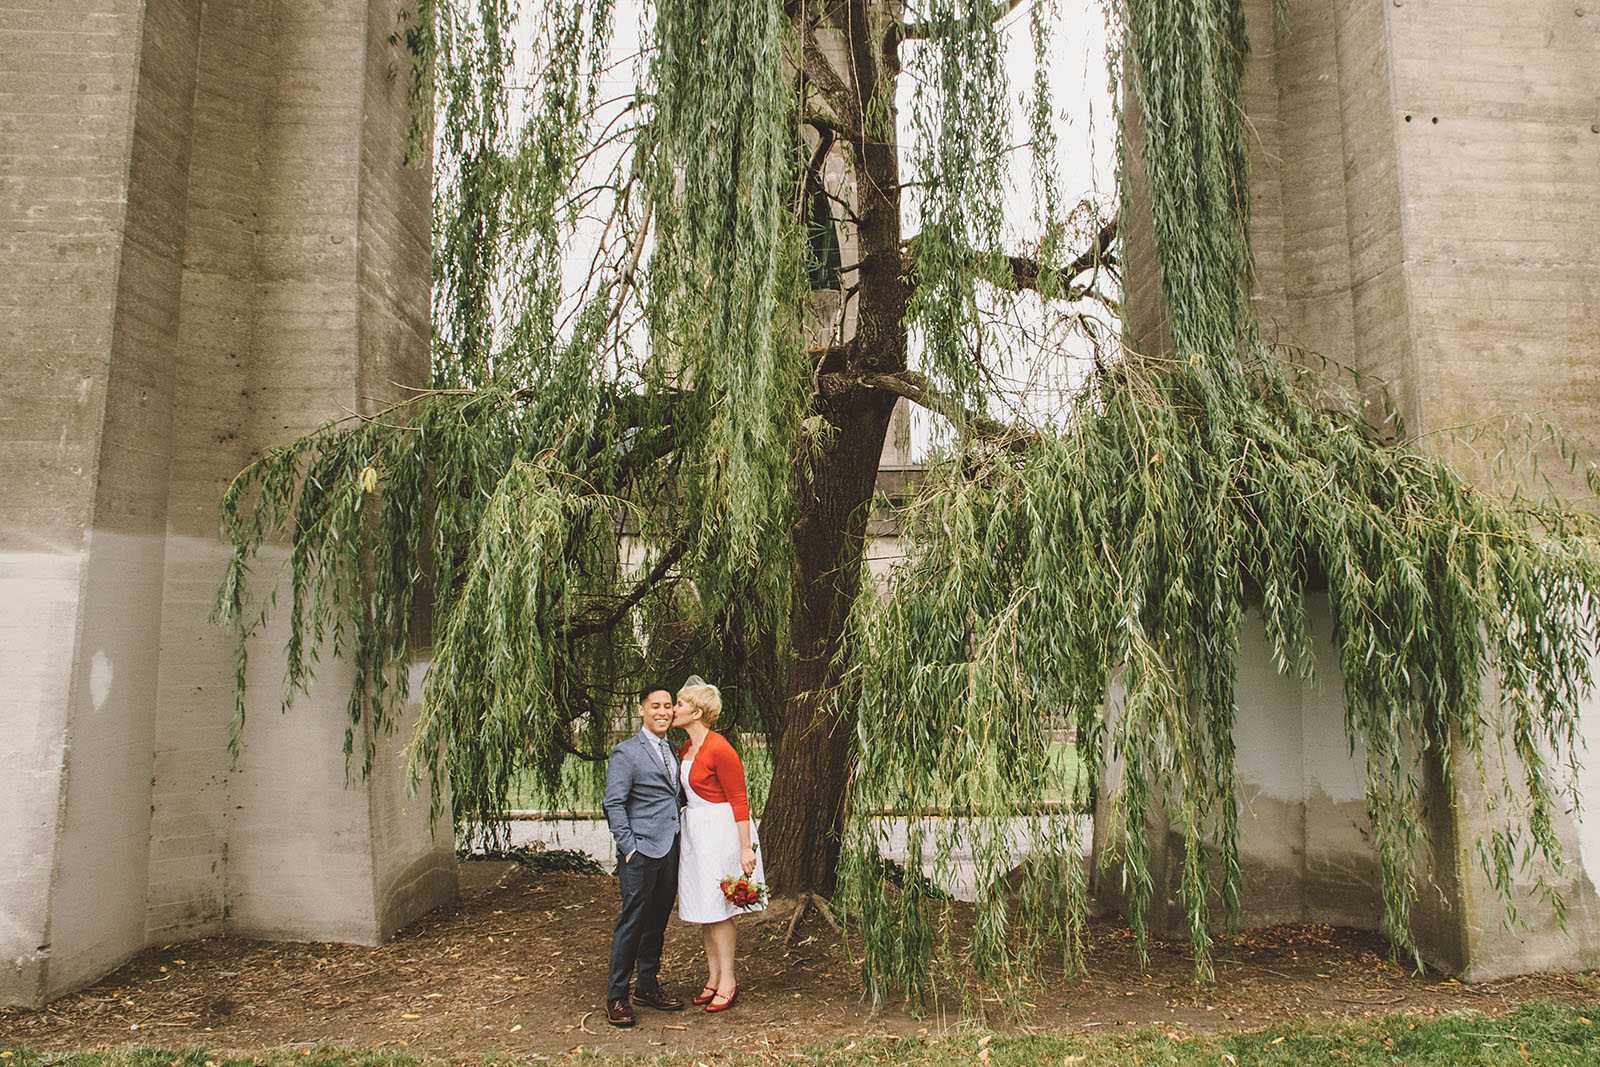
column 1537, row 1034
column 581, row 790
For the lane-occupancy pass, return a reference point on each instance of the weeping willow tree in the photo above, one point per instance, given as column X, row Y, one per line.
column 664, row 465
column 1107, row 569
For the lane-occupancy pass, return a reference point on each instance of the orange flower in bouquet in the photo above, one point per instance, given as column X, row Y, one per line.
column 741, row 892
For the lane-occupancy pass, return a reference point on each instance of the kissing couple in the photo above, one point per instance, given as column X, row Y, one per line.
column 683, row 831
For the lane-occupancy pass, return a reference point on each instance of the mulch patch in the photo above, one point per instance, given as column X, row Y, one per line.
column 518, row 967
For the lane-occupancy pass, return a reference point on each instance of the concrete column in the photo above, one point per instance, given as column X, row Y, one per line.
column 235, row 60
column 212, row 246
column 94, row 204
column 340, row 316
column 1426, row 200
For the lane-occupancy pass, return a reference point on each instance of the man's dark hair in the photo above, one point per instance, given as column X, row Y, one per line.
column 650, row 687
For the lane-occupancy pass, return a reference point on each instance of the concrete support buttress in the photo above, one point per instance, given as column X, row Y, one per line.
column 211, row 245
column 1426, row 209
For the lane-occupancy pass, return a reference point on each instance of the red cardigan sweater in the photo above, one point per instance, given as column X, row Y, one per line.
column 717, row 775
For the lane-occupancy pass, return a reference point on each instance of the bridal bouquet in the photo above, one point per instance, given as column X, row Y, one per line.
column 742, row 892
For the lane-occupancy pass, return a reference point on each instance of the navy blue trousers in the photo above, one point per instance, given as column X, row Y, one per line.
column 649, row 888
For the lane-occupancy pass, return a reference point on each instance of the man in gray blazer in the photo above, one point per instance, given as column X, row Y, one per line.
column 642, row 801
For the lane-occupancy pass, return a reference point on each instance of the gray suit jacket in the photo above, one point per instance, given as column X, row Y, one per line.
column 642, row 799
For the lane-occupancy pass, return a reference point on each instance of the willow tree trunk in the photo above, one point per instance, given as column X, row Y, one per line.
column 817, row 744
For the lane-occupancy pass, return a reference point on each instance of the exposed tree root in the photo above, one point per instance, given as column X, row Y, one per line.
column 804, row 903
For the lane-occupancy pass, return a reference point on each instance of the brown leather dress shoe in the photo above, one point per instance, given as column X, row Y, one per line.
column 619, row 1013
column 657, row 999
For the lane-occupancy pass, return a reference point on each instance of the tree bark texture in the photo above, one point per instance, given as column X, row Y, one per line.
column 817, row 743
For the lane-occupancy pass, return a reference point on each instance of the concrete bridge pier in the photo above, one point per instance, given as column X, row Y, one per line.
column 211, row 246
column 1425, row 201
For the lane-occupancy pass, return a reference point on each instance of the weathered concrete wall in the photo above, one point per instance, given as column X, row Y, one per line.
column 1426, row 196
column 216, row 328
column 1439, row 201
column 94, row 217
column 1305, row 848
column 1499, row 177
column 213, row 245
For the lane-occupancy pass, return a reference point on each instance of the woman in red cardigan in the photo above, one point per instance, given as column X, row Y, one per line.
column 718, row 838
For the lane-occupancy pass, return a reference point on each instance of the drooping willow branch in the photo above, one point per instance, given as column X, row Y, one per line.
column 923, row 31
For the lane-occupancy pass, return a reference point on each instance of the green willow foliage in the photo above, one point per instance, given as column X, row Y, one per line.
column 503, row 501
column 726, row 284
column 961, row 136
column 563, row 513
column 1103, row 574
column 958, row 133
column 1120, row 558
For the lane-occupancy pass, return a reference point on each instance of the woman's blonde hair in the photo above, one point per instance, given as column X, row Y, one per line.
column 705, row 699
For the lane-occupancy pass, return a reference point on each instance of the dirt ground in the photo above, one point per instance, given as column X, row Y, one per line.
column 517, row 965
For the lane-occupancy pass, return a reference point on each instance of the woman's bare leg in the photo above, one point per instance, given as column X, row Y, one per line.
column 720, row 943
column 708, row 932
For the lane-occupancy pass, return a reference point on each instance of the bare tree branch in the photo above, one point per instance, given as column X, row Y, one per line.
column 915, row 388
column 811, row 179
column 568, row 747
column 814, row 64
column 1027, row 273
column 607, row 619
column 846, row 210
column 822, row 122
column 630, row 273
column 1097, row 254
